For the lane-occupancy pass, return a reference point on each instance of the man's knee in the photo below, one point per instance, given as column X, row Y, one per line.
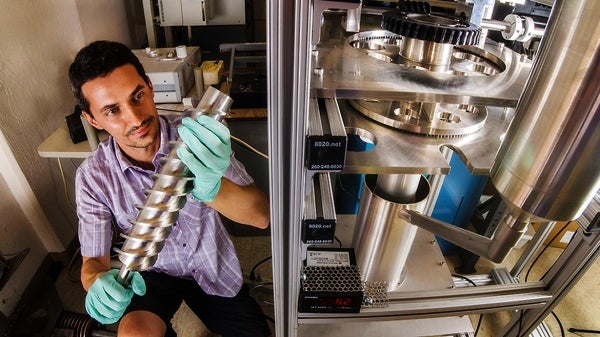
column 141, row 324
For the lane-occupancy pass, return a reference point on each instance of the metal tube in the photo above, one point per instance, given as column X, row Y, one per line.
column 548, row 165
column 506, row 236
column 426, row 52
column 382, row 238
column 495, row 25
column 400, row 188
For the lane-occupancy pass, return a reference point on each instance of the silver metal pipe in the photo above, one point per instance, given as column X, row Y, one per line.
column 352, row 22
column 426, row 52
column 495, row 25
column 400, row 188
column 548, row 165
column 382, row 239
column 506, row 236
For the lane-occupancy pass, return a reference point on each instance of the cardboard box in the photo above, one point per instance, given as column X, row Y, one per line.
column 563, row 239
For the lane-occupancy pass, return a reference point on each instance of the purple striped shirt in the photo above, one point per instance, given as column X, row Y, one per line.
column 108, row 188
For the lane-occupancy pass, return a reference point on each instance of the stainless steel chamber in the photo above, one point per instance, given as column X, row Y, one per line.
column 392, row 92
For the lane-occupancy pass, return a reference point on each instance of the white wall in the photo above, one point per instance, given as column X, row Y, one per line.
column 38, row 40
column 117, row 19
column 16, row 234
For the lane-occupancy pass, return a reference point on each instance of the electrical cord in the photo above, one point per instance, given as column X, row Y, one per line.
column 252, row 276
column 575, row 330
column 520, row 323
column 252, row 291
column 562, row 330
column 474, row 285
column 343, row 189
column 249, row 147
column 262, row 285
column 70, row 266
column 234, row 138
column 170, row 110
column 7, row 256
column 338, row 241
column 64, row 181
column 544, row 249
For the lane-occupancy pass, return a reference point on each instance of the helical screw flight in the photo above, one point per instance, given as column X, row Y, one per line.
column 165, row 198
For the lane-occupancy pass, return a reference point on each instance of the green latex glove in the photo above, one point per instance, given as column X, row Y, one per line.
column 206, row 154
column 107, row 299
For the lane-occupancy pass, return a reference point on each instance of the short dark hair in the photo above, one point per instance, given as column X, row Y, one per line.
column 99, row 59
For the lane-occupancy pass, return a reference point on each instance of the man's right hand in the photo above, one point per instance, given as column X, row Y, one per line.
column 107, row 299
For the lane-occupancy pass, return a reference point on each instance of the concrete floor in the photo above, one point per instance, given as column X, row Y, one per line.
column 580, row 309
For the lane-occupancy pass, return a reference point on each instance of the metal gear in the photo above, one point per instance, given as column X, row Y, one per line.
column 414, row 7
column 431, row 27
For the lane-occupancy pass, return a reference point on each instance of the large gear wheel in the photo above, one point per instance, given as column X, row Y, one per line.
column 437, row 28
column 413, row 6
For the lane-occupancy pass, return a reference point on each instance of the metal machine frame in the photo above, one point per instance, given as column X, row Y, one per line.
column 291, row 65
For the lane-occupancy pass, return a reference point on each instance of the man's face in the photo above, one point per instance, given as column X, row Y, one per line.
column 123, row 104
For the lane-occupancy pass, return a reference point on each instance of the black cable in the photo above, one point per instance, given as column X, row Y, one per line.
column 465, row 278
column 262, row 285
column 71, row 264
column 583, row 330
column 562, row 330
column 531, row 267
column 544, row 250
column 338, row 241
column 252, row 276
column 268, row 317
column 170, row 110
column 520, row 322
column 480, row 315
column 343, row 189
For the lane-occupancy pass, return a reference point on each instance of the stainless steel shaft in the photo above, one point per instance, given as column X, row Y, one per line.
column 165, row 198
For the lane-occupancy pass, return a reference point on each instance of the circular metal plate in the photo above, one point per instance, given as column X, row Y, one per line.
column 444, row 120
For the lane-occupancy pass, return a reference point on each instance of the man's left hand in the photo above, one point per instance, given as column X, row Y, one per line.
column 206, row 154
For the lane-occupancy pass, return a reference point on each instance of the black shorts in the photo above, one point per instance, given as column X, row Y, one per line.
column 229, row 317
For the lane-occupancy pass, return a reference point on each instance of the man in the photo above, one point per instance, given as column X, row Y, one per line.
column 198, row 262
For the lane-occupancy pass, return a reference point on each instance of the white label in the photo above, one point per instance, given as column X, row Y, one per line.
column 567, row 237
column 327, row 258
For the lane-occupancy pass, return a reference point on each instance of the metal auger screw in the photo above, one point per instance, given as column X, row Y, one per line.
column 164, row 199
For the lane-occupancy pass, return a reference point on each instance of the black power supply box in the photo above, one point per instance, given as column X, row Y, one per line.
column 331, row 282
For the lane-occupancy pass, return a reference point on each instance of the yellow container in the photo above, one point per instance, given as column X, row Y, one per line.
column 212, row 72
